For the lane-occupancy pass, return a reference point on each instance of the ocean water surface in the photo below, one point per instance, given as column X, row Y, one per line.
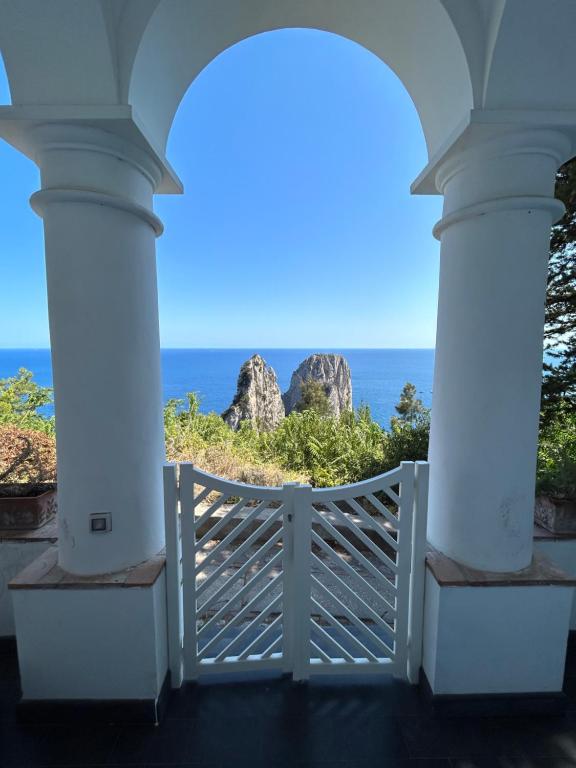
column 378, row 375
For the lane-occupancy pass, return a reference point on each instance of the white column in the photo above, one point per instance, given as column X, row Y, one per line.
column 96, row 202
column 495, row 231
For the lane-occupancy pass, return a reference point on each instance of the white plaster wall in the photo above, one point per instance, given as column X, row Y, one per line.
column 159, row 598
column 491, row 640
column 107, row 643
column 430, row 631
column 562, row 554
column 14, row 557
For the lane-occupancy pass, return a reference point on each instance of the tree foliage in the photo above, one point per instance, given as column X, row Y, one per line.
column 20, row 401
column 410, row 409
column 313, row 397
column 557, row 455
column 559, row 384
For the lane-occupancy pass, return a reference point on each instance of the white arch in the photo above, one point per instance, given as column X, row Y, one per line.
column 532, row 64
column 451, row 55
column 58, row 52
column 415, row 38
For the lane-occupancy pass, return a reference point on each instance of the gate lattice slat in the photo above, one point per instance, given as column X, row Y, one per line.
column 308, row 581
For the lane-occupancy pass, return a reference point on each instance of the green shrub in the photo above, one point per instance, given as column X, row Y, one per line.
column 557, row 456
column 308, row 445
column 407, row 441
column 20, row 399
column 208, row 442
column 329, row 450
column 313, row 397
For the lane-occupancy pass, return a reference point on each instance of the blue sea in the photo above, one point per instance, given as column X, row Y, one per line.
column 378, row 375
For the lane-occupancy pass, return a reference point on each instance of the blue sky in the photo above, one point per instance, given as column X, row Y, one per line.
column 296, row 229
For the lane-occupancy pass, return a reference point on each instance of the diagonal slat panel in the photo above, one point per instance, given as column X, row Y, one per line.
column 270, row 629
column 238, row 553
column 332, row 642
column 275, row 644
column 392, row 495
column 361, row 536
column 238, row 597
column 384, row 511
column 240, row 615
column 337, row 624
column 199, row 498
column 222, row 521
column 374, row 525
column 214, row 507
column 351, row 549
column 360, row 582
column 320, row 652
column 225, row 543
column 248, row 565
column 353, row 596
column 245, row 632
column 358, row 623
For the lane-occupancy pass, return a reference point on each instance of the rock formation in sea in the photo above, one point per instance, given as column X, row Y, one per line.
column 333, row 372
column 257, row 397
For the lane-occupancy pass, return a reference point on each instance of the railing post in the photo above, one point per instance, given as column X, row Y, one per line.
column 188, row 526
column 301, row 581
column 404, row 563
column 173, row 574
column 418, row 571
column 288, row 593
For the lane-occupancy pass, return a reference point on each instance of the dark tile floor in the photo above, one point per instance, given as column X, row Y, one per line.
column 275, row 724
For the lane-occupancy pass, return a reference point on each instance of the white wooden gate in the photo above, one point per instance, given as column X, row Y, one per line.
column 307, row 581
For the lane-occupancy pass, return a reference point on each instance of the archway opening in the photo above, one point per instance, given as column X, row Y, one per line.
column 23, row 310
column 297, row 233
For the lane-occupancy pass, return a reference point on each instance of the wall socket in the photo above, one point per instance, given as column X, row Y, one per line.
column 100, row 522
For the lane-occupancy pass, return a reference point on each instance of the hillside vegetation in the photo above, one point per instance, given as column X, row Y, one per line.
column 308, row 445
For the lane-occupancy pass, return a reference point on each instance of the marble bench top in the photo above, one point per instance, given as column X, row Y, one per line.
column 541, row 572
column 45, row 573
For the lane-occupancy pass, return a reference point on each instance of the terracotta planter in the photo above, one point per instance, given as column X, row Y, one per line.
column 26, row 512
column 556, row 515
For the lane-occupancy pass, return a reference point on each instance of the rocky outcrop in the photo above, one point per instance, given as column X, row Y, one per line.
column 257, row 397
column 333, row 372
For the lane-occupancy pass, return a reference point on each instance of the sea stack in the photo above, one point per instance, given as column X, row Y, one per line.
column 257, row 397
column 333, row 372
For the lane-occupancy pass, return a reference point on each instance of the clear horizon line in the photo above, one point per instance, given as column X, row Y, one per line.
column 225, row 349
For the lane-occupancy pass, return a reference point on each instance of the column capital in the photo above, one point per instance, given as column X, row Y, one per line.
column 90, row 162
column 83, row 164
column 487, row 132
column 26, row 127
column 497, row 148
column 500, row 167
column 47, row 139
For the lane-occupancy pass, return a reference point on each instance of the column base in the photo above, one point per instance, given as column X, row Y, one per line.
column 493, row 705
column 95, row 710
column 495, row 635
column 93, row 646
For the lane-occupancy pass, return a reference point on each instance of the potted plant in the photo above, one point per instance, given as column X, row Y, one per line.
column 556, row 483
column 27, row 478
